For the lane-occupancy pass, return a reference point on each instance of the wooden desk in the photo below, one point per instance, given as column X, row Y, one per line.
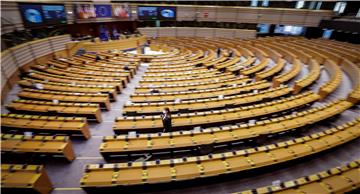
column 25, row 179
column 91, row 111
column 340, row 179
column 310, row 78
column 47, row 124
column 154, row 123
column 53, row 145
column 101, row 99
column 205, row 104
column 188, row 168
column 123, row 144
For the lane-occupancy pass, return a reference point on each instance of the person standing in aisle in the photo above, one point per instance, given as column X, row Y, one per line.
column 166, row 119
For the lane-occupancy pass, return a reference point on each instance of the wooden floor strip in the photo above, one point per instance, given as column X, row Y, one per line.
column 67, row 189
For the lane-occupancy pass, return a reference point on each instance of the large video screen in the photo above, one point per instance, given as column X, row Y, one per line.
column 156, row 13
column 121, row 11
column 147, row 13
column 263, row 28
column 289, row 30
column 31, row 14
column 85, row 11
column 103, row 11
column 42, row 14
column 54, row 14
column 89, row 11
column 167, row 13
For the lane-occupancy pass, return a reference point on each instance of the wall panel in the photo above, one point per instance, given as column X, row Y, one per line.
column 199, row 32
column 14, row 58
column 185, row 31
column 206, row 13
column 205, row 32
column 186, row 13
column 225, row 14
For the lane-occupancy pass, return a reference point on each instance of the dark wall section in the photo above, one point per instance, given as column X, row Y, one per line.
column 341, row 25
column 313, row 32
column 93, row 29
column 346, row 37
column 271, row 3
column 352, row 7
column 327, row 5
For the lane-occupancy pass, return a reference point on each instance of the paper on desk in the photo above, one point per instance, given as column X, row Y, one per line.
column 132, row 134
column 252, row 121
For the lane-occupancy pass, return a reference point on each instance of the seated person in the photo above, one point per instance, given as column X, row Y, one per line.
column 98, row 58
column 231, row 54
column 23, row 73
column 37, row 86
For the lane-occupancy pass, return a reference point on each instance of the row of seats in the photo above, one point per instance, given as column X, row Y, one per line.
column 297, row 52
column 37, row 144
column 48, row 124
column 320, row 51
column 193, row 86
column 351, row 54
column 110, row 66
column 186, row 80
column 335, row 79
column 93, row 68
column 235, row 68
column 288, row 55
column 255, row 68
column 187, row 168
column 271, row 71
column 153, row 123
column 34, row 94
column 198, row 94
column 310, row 78
column 19, row 178
column 180, row 74
column 91, row 111
column 341, row 179
column 226, row 62
column 289, row 75
column 96, row 68
column 61, row 87
column 73, row 76
column 215, row 135
column 353, row 72
column 206, row 104
column 75, row 80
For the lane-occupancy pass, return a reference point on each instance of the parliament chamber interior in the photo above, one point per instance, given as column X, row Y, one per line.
column 240, row 97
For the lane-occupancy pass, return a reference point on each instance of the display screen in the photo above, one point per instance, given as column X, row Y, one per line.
column 263, row 28
column 289, row 30
column 42, row 14
column 103, row 11
column 156, row 13
column 327, row 33
column 54, row 14
column 121, row 11
column 85, row 11
column 147, row 13
column 167, row 13
column 31, row 14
